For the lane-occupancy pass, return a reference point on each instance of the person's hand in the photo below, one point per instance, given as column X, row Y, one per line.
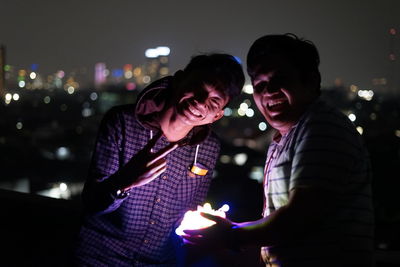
column 216, row 236
column 145, row 166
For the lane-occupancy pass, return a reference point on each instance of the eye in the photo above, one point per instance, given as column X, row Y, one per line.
column 215, row 102
column 261, row 86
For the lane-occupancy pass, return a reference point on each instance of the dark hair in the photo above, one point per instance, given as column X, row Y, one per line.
column 220, row 70
column 302, row 53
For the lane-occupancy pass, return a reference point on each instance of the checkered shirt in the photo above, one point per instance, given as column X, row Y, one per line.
column 139, row 229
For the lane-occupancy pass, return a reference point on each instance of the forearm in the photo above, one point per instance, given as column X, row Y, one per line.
column 281, row 226
column 306, row 210
column 100, row 197
column 271, row 230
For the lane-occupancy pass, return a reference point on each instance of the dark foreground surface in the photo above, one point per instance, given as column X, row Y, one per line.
column 39, row 231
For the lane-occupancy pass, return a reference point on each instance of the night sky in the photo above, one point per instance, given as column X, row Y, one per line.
column 352, row 36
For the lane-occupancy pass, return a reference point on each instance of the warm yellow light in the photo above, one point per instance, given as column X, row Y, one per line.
column 244, row 106
column 8, row 96
column 241, row 112
column 360, row 129
column 71, row 90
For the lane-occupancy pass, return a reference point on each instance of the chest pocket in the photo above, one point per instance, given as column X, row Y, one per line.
column 188, row 186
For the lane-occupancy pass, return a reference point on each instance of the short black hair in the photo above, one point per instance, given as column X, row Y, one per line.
column 301, row 52
column 220, row 70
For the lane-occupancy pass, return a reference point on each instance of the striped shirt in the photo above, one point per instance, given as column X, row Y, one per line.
column 323, row 150
column 139, row 229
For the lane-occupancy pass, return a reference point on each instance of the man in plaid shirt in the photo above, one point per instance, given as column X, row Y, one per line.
column 140, row 183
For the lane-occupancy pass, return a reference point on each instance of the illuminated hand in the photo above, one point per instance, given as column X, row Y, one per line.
column 145, row 166
column 216, row 236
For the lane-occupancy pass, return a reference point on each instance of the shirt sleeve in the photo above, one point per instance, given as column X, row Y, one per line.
column 325, row 152
column 98, row 196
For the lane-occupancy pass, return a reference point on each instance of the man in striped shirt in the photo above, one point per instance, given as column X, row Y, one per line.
column 318, row 208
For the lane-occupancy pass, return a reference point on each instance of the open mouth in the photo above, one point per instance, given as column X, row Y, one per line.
column 194, row 111
column 191, row 112
column 277, row 105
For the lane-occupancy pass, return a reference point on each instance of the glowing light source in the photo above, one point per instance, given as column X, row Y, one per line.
column 164, row 71
column 62, row 153
column 352, row 117
column 244, row 106
column 146, row 79
column 60, row 74
column 360, row 129
column 8, row 97
column 241, row 112
column 248, row 89
column 366, row 94
column 257, row 173
column 227, row 112
column 87, row 112
column 32, row 75
column 249, row 112
column 15, row 97
column 156, row 52
column 70, row 90
column 193, row 220
column 128, row 74
column 163, row 50
column 262, row 126
column 130, row 86
column 63, row 187
column 46, row 99
column 21, row 84
column 240, row 159
column 93, row 96
column 19, row 125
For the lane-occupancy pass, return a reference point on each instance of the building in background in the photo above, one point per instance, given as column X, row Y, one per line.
column 2, row 70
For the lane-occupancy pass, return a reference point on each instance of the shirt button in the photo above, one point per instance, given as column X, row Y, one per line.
column 158, row 200
column 146, row 241
column 164, row 177
column 152, row 222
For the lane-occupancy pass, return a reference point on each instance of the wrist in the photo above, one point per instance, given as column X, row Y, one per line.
column 117, row 191
column 122, row 193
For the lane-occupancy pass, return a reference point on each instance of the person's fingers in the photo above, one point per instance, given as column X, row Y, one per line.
column 155, row 166
column 195, row 232
column 162, row 153
column 214, row 218
column 148, row 178
column 159, row 172
column 193, row 240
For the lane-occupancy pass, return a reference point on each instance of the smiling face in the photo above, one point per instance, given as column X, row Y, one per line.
column 199, row 103
column 281, row 93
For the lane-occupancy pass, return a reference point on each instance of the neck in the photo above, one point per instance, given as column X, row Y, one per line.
column 173, row 129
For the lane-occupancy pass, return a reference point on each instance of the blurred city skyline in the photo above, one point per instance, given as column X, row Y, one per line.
column 358, row 40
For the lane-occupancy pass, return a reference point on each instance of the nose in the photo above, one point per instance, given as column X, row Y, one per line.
column 200, row 104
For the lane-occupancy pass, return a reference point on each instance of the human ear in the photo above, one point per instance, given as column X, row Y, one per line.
column 219, row 115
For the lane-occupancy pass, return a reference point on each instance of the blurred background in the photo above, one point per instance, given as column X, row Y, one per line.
column 63, row 64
